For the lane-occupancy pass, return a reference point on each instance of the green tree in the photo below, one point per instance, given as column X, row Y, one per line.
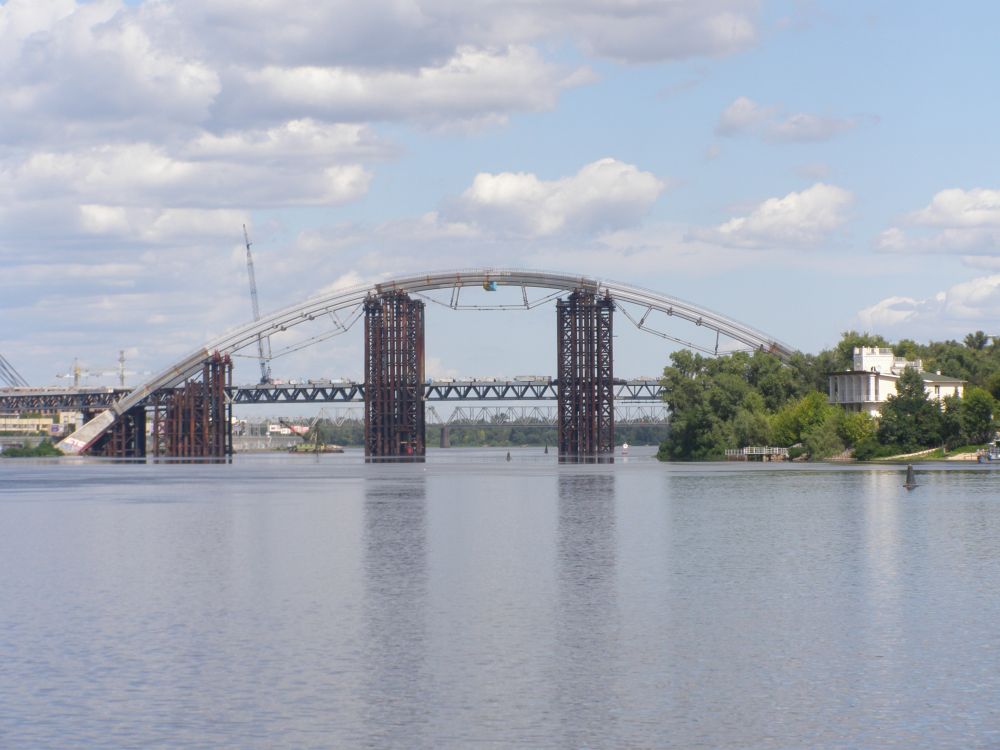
column 993, row 384
column 848, row 340
column 907, row 349
column 909, row 419
column 977, row 340
column 776, row 382
column 976, row 415
column 693, row 423
column 951, row 421
column 857, row 426
column 821, row 440
column 791, row 423
column 719, row 403
column 750, row 425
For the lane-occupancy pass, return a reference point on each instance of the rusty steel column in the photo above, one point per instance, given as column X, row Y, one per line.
column 126, row 439
column 394, row 377
column 585, row 376
column 195, row 420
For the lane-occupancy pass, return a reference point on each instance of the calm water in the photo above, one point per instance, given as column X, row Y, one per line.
column 297, row 601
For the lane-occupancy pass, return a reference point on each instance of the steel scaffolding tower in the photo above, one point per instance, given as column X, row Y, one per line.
column 394, row 377
column 126, row 439
column 195, row 421
column 585, row 404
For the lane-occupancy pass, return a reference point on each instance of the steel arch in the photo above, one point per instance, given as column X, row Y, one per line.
column 350, row 298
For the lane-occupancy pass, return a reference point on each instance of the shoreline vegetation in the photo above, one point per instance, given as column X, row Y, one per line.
column 44, row 449
column 745, row 399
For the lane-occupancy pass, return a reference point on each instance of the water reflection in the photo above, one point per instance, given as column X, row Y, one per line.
column 395, row 572
column 587, row 643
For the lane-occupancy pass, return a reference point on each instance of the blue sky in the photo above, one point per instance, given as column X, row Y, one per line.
column 804, row 167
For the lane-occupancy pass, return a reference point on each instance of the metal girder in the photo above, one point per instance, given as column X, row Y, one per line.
column 59, row 399
column 195, row 421
column 126, row 439
column 94, row 399
column 584, row 336
column 278, row 394
column 500, row 389
column 439, row 390
column 394, row 376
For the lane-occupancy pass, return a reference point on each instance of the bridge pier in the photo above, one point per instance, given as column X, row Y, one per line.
column 195, row 421
column 586, row 412
column 126, row 439
column 394, row 377
column 445, row 436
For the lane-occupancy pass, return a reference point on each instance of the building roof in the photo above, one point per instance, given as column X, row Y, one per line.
column 928, row 377
column 932, row 377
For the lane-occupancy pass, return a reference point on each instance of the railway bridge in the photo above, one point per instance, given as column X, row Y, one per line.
column 190, row 402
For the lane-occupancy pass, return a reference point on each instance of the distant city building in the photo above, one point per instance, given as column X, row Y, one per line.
column 17, row 425
column 874, row 376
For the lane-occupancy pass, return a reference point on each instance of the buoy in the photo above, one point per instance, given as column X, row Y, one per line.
column 911, row 481
column 546, row 449
column 508, row 455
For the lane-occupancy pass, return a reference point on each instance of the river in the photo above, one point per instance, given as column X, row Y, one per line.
column 316, row 601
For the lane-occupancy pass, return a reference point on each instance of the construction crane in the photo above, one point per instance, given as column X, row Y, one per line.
column 10, row 376
column 122, row 372
column 78, row 373
column 263, row 342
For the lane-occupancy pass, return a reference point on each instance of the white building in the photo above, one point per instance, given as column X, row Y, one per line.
column 874, row 377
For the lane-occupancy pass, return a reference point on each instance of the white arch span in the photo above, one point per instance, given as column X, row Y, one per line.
column 351, row 298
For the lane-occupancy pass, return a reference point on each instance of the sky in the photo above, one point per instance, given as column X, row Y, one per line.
column 805, row 168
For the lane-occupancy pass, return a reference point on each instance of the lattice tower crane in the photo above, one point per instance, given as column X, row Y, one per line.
column 263, row 342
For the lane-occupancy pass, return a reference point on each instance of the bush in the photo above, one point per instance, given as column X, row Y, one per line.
column 44, row 449
column 870, row 448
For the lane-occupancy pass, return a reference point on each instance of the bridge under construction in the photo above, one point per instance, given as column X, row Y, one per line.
column 186, row 410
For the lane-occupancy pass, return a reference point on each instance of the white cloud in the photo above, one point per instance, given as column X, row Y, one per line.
column 473, row 84
column 94, row 188
column 973, row 303
column 69, row 68
column 955, row 221
column 399, row 33
column 800, row 219
column 746, row 117
column 604, row 194
column 892, row 311
column 104, row 68
column 742, row 115
column 976, row 208
column 302, row 140
column 161, row 225
column 650, row 31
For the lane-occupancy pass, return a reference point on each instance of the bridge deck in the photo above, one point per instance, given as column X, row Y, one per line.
column 318, row 391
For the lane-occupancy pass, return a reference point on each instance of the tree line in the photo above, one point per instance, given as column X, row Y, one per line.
column 481, row 435
column 746, row 399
